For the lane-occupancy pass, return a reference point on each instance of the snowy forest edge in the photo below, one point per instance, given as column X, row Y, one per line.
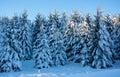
column 58, row 39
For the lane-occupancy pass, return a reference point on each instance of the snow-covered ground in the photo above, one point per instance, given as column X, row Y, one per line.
column 69, row 70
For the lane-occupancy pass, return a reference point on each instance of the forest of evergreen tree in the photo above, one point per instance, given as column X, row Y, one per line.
column 57, row 39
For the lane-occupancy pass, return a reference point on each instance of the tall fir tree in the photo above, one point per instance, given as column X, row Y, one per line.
column 82, row 54
column 42, row 53
column 36, row 30
column 102, row 55
column 72, row 39
column 59, row 56
column 5, row 62
column 68, row 41
column 116, row 35
column 53, row 22
column 15, row 44
column 36, row 26
column 112, row 32
column 5, row 57
column 91, row 36
column 9, row 59
column 26, row 40
column 57, row 52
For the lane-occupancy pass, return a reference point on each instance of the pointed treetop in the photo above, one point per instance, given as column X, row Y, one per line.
column 24, row 15
column 15, row 16
column 88, row 17
column 88, row 14
column 99, row 11
column 64, row 15
column 50, row 15
column 55, row 14
column 5, row 19
column 39, row 16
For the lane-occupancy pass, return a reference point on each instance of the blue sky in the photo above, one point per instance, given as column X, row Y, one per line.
column 9, row 7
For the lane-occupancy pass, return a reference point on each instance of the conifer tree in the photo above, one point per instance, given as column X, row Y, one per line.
column 36, row 26
column 5, row 57
column 5, row 62
column 9, row 58
column 82, row 54
column 68, row 41
column 116, row 36
column 59, row 56
column 36, row 30
column 56, row 41
column 91, row 36
column 15, row 44
column 26, row 40
column 42, row 53
column 72, row 39
column 110, row 26
column 102, row 55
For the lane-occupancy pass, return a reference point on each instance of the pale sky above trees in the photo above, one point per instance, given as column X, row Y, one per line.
column 9, row 7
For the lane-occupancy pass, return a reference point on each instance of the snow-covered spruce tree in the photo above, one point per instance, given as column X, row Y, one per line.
column 41, row 51
column 9, row 60
column 36, row 30
column 15, row 43
column 102, row 55
column 72, row 39
column 5, row 57
column 82, row 54
column 110, row 26
column 36, row 26
column 56, row 52
column 68, row 41
column 91, row 32
column 26, row 34
column 59, row 56
column 91, row 36
column 116, row 35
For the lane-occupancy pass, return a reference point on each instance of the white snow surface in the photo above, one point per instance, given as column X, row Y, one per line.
column 69, row 70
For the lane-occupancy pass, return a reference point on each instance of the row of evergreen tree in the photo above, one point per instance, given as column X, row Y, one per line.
column 58, row 39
